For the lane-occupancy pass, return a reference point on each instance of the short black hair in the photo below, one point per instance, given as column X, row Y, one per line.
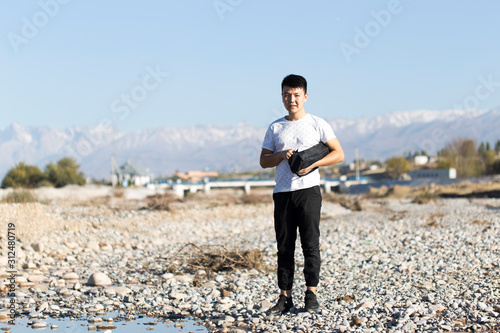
column 294, row 81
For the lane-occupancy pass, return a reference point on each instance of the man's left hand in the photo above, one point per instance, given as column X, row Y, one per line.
column 305, row 171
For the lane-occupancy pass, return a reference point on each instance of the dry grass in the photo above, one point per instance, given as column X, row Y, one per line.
column 34, row 220
column 396, row 191
column 255, row 199
column 430, row 193
column 229, row 197
column 20, row 196
column 425, row 196
column 398, row 216
column 470, row 190
column 192, row 257
column 349, row 202
column 346, row 298
column 433, row 220
column 376, row 192
column 481, row 222
column 160, row 201
column 118, row 192
column 215, row 198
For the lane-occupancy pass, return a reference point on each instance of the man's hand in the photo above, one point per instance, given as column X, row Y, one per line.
column 336, row 155
column 269, row 159
column 306, row 170
column 286, row 154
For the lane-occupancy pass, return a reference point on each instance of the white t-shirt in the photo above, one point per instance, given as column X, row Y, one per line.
column 298, row 135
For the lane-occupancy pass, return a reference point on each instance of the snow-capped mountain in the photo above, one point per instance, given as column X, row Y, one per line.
column 225, row 148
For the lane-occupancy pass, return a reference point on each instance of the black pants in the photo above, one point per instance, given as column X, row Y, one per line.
column 297, row 209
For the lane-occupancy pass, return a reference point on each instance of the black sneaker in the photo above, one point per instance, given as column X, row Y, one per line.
column 311, row 302
column 283, row 306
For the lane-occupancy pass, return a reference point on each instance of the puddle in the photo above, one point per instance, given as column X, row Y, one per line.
column 140, row 324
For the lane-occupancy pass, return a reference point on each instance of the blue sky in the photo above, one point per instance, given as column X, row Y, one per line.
column 183, row 63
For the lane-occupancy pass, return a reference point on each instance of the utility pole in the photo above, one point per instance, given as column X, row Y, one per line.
column 357, row 163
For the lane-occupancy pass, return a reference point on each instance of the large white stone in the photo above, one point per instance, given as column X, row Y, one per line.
column 99, row 279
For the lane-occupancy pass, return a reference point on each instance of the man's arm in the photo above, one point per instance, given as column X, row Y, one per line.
column 270, row 159
column 335, row 156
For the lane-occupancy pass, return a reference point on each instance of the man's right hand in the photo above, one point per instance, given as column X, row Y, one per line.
column 286, row 154
column 269, row 159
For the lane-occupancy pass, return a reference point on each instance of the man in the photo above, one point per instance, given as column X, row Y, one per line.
column 297, row 198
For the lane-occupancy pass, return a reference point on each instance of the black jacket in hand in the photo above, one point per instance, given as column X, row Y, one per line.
column 303, row 159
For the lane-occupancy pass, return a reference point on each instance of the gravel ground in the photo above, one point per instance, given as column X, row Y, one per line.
column 394, row 266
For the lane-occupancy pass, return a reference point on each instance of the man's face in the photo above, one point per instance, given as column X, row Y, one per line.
column 293, row 99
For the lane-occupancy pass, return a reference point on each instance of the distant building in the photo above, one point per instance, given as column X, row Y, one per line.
column 420, row 159
column 347, row 168
column 131, row 174
column 376, row 174
column 433, row 173
column 196, row 175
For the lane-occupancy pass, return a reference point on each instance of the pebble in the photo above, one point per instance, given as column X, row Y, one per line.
column 38, row 247
column 101, row 327
column 40, row 324
column 99, row 279
column 70, row 276
column 383, row 268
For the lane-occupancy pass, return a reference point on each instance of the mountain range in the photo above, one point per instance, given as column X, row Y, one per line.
column 165, row 150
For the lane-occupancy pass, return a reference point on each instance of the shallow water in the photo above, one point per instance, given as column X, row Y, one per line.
column 144, row 324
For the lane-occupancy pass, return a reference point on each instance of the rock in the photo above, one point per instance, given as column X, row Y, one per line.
column 42, row 287
column 38, row 247
column 20, row 279
column 71, row 245
column 122, row 291
column 95, row 320
column 356, row 321
column 366, row 305
column 183, row 278
column 110, row 292
column 43, row 307
column 70, row 276
column 36, row 278
column 409, row 327
column 484, row 307
column 177, row 295
column 265, row 305
column 4, row 314
column 94, row 246
column 437, row 307
column 99, row 279
column 40, row 324
column 29, row 265
column 102, row 327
